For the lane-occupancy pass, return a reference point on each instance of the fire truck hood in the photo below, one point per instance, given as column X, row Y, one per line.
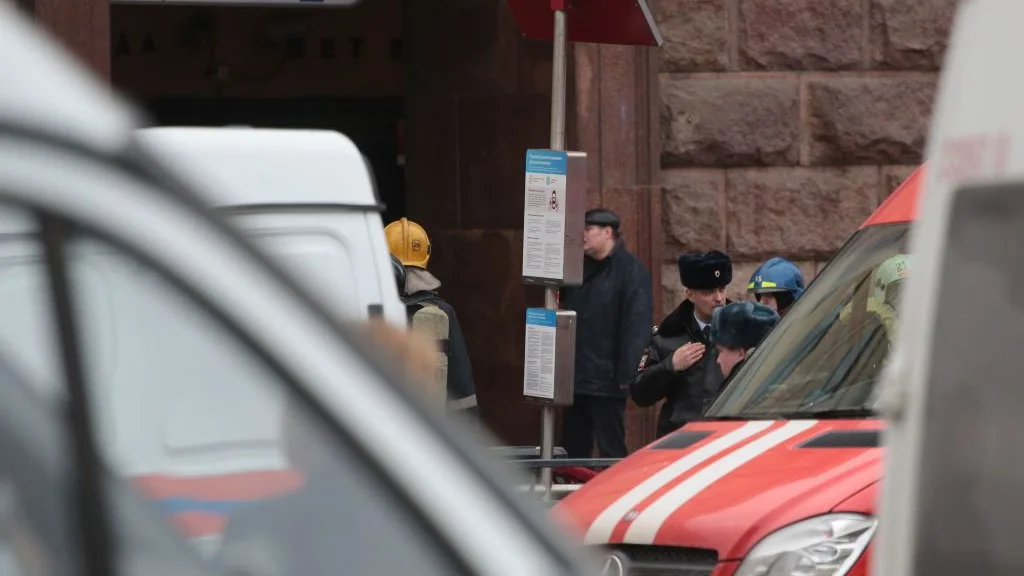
column 726, row 485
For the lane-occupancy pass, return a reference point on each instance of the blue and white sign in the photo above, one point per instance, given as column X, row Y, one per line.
column 539, row 373
column 544, row 214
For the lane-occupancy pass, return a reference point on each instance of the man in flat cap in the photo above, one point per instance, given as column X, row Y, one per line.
column 736, row 329
column 613, row 308
column 678, row 364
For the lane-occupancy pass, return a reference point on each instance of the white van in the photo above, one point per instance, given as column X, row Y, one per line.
column 953, row 393
column 306, row 196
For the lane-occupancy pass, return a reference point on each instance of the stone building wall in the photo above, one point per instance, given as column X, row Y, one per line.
column 786, row 122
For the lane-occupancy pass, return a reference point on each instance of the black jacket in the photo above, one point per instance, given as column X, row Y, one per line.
column 688, row 393
column 613, row 310
column 461, row 389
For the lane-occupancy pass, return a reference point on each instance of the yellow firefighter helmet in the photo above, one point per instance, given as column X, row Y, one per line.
column 409, row 243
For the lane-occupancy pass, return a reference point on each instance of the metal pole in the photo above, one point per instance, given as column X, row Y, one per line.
column 547, row 438
column 558, row 83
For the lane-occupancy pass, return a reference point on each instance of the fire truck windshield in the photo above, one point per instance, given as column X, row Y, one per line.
column 827, row 352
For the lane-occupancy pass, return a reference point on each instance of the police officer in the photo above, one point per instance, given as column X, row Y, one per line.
column 678, row 364
column 613, row 308
column 777, row 283
column 429, row 313
column 736, row 329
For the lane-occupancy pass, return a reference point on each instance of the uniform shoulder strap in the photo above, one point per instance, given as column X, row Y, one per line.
column 421, row 298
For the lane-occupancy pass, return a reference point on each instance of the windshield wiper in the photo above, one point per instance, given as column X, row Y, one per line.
column 823, row 414
column 831, row 414
column 741, row 417
column 727, row 418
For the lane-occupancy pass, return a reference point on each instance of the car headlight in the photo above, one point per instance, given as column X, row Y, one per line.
column 823, row 546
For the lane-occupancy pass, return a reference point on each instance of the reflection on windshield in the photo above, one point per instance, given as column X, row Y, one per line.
column 828, row 351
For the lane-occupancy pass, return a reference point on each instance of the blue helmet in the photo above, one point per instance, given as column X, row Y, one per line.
column 777, row 275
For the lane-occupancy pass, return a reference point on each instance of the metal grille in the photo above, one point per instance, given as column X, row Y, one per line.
column 667, row 560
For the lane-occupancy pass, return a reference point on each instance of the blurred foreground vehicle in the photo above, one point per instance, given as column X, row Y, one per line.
column 953, row 395
column 135, row 321
column 779, row 478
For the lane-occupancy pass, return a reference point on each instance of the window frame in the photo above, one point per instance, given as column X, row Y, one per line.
column 495, row 520
column 99, row 547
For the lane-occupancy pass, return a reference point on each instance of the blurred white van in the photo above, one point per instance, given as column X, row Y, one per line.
column 177, row 406
column 306, row 196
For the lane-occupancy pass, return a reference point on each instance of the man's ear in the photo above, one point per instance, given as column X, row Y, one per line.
column 688, row 294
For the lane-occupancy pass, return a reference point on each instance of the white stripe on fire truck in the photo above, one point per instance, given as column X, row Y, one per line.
column 645, row 527
column 603, row 526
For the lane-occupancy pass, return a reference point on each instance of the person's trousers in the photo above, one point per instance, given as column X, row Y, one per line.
column 593, row 418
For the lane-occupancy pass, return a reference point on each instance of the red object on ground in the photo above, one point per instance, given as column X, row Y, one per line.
column 574, row 474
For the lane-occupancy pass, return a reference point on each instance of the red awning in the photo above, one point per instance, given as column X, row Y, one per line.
column 624, row 22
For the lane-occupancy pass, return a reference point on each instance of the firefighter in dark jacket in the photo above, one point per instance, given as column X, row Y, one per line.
column 679, row 365
column 613, row 310
column 736, row 329
column 429, row 314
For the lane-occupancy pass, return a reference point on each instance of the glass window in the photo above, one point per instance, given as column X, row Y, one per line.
column 827, row 352
column 206, row 430
column 324, row 259
column 38, row 526
column 971, row 478
column 27, row 331
column 38, row 516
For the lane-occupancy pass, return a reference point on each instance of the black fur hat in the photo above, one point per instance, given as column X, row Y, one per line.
column 741, row 325
column 705, row 271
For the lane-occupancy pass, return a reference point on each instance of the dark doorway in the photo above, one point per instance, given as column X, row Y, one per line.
column 372, row 124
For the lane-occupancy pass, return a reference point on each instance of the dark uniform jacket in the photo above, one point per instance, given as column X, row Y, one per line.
column 686, row 393
column 613, row 313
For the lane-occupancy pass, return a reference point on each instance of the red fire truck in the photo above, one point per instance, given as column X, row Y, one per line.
column 780, row 476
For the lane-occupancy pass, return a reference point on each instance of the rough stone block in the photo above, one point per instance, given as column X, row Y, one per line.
column 696, row 35
column 868, row 120
column 629, row 205
column 800, row 34
column 892, row 177
column 671, row 289
column 803, row 213
column 693, row 209
column 910, row 35
column 750, row 120
column 741, row 272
